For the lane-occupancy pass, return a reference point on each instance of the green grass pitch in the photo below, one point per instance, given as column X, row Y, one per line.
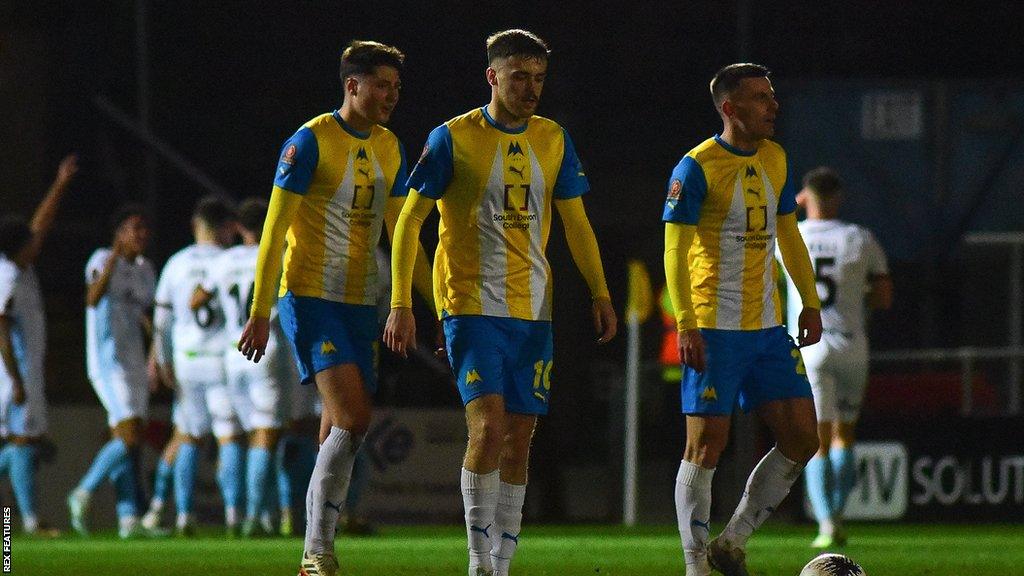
column 777, row 550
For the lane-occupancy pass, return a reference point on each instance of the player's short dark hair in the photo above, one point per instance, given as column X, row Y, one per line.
column 363, row 56
column 727, row 80
column 14, row 234
column 823, row 182
column 515, row 42
column 214, row 211
column 252, row 213
column 126, row 211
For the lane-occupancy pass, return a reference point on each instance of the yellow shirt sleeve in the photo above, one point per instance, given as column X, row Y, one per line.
column 583, row 245
column 797, row 260
column 422, row 280
column 678, row 238
column 406, row 251
column 282, row 209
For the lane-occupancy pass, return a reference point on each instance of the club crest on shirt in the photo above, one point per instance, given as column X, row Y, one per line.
column 675, row 189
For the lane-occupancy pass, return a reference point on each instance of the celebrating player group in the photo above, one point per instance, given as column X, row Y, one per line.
column 297, row 298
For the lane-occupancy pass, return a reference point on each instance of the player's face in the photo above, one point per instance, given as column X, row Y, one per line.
column 135, row 233
column 518, row 82
column 754, row 108
column 376, row 94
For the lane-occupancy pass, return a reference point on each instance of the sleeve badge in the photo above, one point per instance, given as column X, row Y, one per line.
column 675, row 189
column 289, row 155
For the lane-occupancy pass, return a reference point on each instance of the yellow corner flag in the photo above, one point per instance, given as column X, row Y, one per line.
column 640, row 300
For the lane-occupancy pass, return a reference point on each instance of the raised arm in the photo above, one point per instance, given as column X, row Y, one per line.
column 585, row 253
column 400, row 330
column 42, row 219
column 798, row 263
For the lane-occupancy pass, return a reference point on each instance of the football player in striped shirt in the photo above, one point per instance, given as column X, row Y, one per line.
column 495, row 174
column 851, row 273
column 121, row 283
column 340, row 180
column 730, row 199
column 23, row 420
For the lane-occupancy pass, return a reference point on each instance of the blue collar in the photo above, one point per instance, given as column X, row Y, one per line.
column 733, row 149
column 345, row 126
column 502, row 127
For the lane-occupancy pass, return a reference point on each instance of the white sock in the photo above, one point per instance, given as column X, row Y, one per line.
column 156, row 505
column 480, row 499
column 230, row 516
column 183, row 519
column 127, row 523
column 30, row 523
column 827, row 527
column 508, row 521
column 767, row 486
column 327, row 489
column 693, row 513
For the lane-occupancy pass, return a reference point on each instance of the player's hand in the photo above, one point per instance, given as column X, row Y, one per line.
column 605, row 322
column 808, row 327
column 400, row 331
column 67, row 169
column 691, row 348
column 253, row 341
column 18, row 395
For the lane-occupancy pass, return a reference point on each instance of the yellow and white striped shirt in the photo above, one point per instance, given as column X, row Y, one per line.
column 733, row 197
column 494, row 189
column 345, row 178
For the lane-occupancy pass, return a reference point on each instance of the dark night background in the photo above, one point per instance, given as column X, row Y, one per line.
column 229, row 81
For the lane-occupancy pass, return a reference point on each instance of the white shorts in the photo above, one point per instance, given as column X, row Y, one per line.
column 203, row 404
column 27, row 419
column 123, row 395
column 837, row 367
column 255, row 396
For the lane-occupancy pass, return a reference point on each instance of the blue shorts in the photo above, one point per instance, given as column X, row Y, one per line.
column 753, row 366
column 506, row 356
column 325, row 333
